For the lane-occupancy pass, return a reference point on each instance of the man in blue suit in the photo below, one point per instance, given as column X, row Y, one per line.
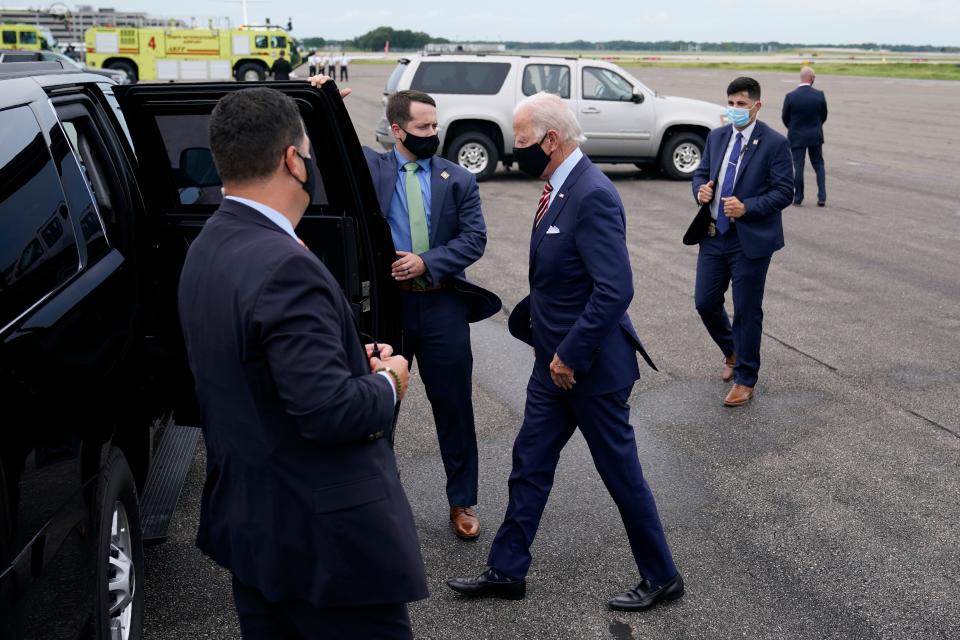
column 585, row 360
column 433, row 207
column 804, row 112
column 744, row 181
column 302, row 500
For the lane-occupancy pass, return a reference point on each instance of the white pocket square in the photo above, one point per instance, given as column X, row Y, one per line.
column 552, row 230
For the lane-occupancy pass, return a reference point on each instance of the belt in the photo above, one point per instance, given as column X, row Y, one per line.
column 417, row 286
column 712, row 229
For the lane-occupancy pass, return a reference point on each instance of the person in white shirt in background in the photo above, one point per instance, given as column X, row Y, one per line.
column 344, row 68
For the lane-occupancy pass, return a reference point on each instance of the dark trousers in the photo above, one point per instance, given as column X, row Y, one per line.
column 549, row 419
column 313, row 70
column 332, row 71
column 344, row 73
column 436, row 334
column 816, row 159
column 261, row 619
column 720, row 262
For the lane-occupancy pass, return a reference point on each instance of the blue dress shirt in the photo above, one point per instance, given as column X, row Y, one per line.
column 397, row 216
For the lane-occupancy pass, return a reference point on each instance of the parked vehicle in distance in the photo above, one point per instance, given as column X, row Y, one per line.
column 623, row 119
column 26, row 37
column 7, row 56
column 102, row 189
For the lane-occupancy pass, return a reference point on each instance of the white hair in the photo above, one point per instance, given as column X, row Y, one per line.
column 547, row 111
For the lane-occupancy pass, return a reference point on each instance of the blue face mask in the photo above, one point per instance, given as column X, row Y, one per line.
column 738, row 116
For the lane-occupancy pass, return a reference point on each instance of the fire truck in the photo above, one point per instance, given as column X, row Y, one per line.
column 146, row 53
column 25, row 37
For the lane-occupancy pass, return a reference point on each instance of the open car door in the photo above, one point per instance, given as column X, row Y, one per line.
column 343, row 225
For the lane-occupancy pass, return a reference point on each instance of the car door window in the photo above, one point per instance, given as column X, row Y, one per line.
column 552, row 78
column 28, row 37
column 471, row 78
column 38, row 250
column 278, row 42
column 603, row 84
column 10, row 38
column 260, row 42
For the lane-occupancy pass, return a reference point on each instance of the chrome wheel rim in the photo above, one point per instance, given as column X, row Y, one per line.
column 121, row 574
column 686, row 157
column 251, row 75
column 473, row 157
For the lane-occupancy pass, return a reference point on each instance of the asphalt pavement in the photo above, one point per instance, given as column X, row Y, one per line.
column 828, row 508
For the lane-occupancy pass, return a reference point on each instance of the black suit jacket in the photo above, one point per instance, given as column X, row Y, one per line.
column 302, row 498
column 804, row 112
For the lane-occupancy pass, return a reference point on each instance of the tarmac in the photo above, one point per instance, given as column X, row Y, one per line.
column 827, row 508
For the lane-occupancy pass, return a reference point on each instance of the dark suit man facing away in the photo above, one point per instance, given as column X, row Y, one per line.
column 281, row 68
column 585, row 360
column 744, row 181
column 804, row 112
column 302, row 501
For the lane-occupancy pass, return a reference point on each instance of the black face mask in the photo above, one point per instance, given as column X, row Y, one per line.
column 532, row 160
column 311, row 182
column 422, row 147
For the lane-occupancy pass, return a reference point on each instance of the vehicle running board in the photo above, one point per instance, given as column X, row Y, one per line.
column 171, row 463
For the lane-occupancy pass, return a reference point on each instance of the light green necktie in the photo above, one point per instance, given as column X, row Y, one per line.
column 419, row 236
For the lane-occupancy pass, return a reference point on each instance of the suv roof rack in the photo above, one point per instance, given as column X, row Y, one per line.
column 502, row 54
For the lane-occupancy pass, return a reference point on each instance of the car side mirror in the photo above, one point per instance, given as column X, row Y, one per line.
column 197, row 166
column 637, row 96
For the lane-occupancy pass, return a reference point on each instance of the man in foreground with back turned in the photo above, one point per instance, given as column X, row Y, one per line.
column 585, row 360
column 302, row 501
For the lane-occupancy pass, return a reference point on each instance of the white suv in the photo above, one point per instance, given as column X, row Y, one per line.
column 624, row 121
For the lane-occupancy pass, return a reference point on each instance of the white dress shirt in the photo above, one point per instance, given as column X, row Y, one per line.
column 715, row 203
column 561, row 173
column 284, row 223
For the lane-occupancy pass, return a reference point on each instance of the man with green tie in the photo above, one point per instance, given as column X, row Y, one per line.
column 433, row 207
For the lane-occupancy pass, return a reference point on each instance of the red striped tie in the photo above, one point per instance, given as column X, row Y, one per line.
column 544, row 204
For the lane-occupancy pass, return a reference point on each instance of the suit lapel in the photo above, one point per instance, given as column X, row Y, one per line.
column 438, row 191
column 722, row 148
column 388, row 180
column 751, row 151
column 559, row 202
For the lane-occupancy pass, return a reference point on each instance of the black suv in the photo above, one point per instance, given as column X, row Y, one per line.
column 102, row 189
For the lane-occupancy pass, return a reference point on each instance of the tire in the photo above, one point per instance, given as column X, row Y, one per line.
column 475, row 152
column 681, row 154
column 127, row 67
column 251, row 72
column 118, row 603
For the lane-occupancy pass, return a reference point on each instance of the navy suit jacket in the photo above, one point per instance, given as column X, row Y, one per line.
column 302, row 499
column 764, row 185
column 458, row 234
column 804, row 112
column 581, row 286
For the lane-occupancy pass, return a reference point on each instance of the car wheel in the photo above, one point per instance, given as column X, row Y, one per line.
column 118, row 604
column 681, row 155
column 475, row 152
column 251, row 72
column 126, row 67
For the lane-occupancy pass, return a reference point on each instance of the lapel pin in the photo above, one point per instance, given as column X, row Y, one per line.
column 756, row 141
column 444, row 174
column 559, row 195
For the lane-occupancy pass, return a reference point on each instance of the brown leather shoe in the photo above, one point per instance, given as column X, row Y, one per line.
column 739, row 395
column 465, row 523
column 728, row 365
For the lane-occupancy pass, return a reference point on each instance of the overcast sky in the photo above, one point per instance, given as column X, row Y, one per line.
column 934, row 22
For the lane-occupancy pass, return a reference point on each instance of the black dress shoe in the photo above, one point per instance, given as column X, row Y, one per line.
column 821, row 203
column 489, row 584
column 797, row 203
column 645, row 595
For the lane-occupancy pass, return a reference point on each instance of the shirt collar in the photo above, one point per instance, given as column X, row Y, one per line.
column 746, row 132
column 425, row 164
column 805, row 84
column 273, row 215
column 561, row 173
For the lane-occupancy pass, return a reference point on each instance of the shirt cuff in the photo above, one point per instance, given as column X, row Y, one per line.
column 393, row 384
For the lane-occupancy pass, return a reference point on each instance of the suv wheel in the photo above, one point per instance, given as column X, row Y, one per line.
column 681, row 155
column 126, row 67
column 250, row 72
column 475, row 152
column 118, row 605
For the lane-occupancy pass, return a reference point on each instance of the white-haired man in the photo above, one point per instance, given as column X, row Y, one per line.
column 585, row 360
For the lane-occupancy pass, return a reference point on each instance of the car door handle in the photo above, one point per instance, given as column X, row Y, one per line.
column 591, row 110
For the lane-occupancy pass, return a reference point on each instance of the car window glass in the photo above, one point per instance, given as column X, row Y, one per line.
column 278, row 42
column 552, row 78
column 89, row 152
column 186, row 141
column 20, row 57
column 603, row 84
column 394, row 80
column 260, row 42
column 10, row 37
column 38, row 250
column 28, row 37
column 474, row 78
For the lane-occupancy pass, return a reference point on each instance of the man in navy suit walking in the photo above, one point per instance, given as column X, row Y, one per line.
column 804, row 112
column 585, row 360
column 302, row 500
column 433, row 208
column 744, row 181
